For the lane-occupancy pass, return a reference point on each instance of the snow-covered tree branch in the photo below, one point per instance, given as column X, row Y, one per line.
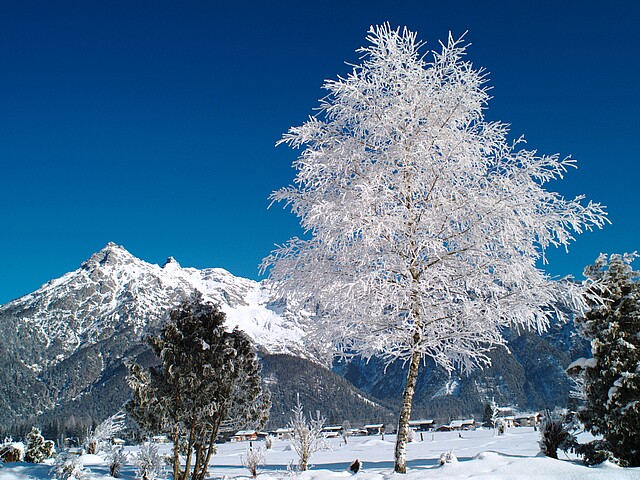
column 425, row 222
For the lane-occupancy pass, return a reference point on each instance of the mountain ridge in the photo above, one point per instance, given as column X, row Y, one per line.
column 65, row 346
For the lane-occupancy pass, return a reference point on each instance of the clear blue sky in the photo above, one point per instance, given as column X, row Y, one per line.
column 152, row 124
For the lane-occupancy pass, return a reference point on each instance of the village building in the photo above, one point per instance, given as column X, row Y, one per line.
column 332, row 431
column 422, row 425
column 527, row 419
column 374, row 429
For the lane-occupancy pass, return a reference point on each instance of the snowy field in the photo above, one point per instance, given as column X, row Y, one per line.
column 481, row 455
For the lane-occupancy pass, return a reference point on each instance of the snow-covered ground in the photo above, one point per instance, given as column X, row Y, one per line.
column 480, row 454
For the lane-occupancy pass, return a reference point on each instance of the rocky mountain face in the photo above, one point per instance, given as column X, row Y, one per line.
column 63, row 348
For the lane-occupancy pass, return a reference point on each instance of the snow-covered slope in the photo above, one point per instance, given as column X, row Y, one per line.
column 113, row 291
column 65, row 345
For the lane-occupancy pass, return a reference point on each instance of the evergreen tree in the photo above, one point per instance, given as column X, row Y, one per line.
column 37, row 449
column 487, row 416
column 611, row 379
column 208, row 379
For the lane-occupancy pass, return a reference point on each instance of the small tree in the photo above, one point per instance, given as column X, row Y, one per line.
column 487, row 416
column 555, row 433
column 208, row 377
column 306, row 436
column 38, row 449
column 610, row 381
column 254, row 458
column 425, row 222
column 104, row 432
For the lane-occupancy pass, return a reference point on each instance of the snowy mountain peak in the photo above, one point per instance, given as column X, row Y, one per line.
column 171, row 263
column 113, row 293
column 111, row 254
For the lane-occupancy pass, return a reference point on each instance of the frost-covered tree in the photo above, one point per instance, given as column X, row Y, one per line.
column 208, row 377
column 102, row 435
column 611, row 379
column 306, row 435
column 424, row 223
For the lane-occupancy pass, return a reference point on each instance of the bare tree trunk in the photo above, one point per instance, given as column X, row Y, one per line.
column 212, row 447
column 405, row 412
column 176, row 455
column 187, row 467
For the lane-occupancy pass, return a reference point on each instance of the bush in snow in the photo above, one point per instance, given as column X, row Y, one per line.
column 611, row 379
column 306, row 437
column 69, row 467
column 38, row 449
column 253, row 458
column 116, row 458
column 150, row 463
column 11, row 451
column 447, row 457
column 411, row 435
column 555, row 433
column 269, row 440
column 346, row 431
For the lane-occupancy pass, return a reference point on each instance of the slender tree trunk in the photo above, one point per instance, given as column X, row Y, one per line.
column 197, row 474
column 176, row 455
column 405, row 412
column 212, row 447
column 187, row 466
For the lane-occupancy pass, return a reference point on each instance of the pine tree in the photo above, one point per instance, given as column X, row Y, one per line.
column 37, row 449
column 487, row 416
column 611, row 379
column 425, row 223
column 209, row 378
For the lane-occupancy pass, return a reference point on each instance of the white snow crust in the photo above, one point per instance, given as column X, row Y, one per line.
column 481, row 456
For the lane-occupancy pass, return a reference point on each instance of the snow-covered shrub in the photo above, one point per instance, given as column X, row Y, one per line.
column 306, row 437
column 555, row 433
column 150, row 463
column 411, row 435
column 346, row 431
column 100, row 438
column 253, row 458
column 447, row 457
column 269, row 440
column 355, row 466
column 596, row 452
column 38, row 449
column 69, row 467
column 11, row 451
column 116, row 458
